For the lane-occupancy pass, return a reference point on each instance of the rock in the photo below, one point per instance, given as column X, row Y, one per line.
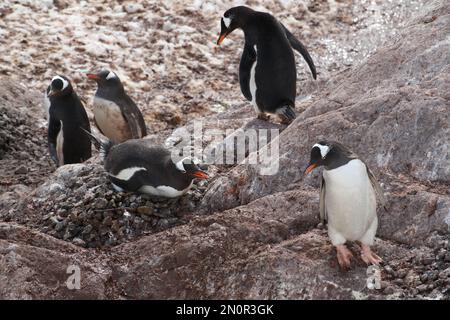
column 396, row 126
column 422, row 288
column 21, row 170
column 389, row 290
column 428, row 260
column 389, row 270
column 144, row 210
column 133, row 7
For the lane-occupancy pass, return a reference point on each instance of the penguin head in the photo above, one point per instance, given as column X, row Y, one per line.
column 190, row 168
column 322, row 154
column 232, row 19
column 60, row 86
column 106, row 78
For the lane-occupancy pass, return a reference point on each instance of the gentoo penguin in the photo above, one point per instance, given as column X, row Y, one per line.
column 347, row 199
column 267, row 72
column 115, row 114
column 67, row 117
column 137, row 167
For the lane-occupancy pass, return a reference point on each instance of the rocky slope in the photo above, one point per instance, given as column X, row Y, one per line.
column 244, row 235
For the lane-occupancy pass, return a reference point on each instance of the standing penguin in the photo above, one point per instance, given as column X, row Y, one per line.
column 137, row 167
column 347, row 199
column 115, row 114
column 67, row 117
column 267, row 72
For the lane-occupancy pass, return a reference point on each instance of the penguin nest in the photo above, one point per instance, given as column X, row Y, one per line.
column 85, row 210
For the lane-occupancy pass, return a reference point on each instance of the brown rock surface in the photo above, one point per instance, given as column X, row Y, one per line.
column 259, row 237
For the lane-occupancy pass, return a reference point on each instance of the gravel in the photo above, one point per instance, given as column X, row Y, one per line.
column 88, row 213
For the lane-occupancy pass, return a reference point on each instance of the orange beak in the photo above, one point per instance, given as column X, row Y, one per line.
column 93, row 76
column 199, row 175
column 309, row 169
column 221, row 38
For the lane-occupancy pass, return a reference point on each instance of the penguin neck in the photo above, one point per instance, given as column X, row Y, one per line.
column 251, row 35
column 109, row 92
column 179, row 175
column 337, row 160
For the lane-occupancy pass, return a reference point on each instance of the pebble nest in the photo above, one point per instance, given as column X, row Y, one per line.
column 88, row 212
column 425, row 274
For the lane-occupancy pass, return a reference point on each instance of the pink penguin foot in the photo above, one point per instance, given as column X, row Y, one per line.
column 344, row 256
column 368, row 256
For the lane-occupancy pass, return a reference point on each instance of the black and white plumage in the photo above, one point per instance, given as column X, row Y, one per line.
column 66, row 119
column 115, row 113
column 137, row 167
column 267, row 71
column 348, row 193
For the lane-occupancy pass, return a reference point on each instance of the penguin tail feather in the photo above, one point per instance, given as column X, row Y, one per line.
column 102, row 146
column 287, row 112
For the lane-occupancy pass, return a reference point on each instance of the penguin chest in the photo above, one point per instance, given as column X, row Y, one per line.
column 164, row 191
column 110, row 120
column 350, row 200
column 252, row 84
column 60, row 145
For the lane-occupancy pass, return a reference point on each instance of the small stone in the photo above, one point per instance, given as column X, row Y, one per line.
column 444, row 274
column 62, row 213
column 100, row 203
column 60, row 226
column 87, row 229
column 389, row 290
column 424, row 277
column 144, row 210
column 384, row 284
column 428, row 260
column 79, row 242
column 422, row 288
column 402, row 273
column 21, row 170
column 389, row 270
column 107, row 221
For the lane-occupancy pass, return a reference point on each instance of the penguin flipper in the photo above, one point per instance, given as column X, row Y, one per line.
column 297, row 45
column 54, row 126
column 322, row 204
column 377, row 187
column 245, row 66
column 103, row 146
column 98, row 127
column 133, row 117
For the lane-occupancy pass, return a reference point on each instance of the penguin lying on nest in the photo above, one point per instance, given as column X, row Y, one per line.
column 348, row 192
column 267, row 72
column 136, row 167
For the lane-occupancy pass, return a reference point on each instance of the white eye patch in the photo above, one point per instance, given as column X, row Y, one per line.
column 110, row 75
column 64, row 81
column 180, row 165
column 226, row 21
column 323, row 149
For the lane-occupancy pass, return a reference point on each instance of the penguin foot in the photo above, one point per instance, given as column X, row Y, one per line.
column 368, row 256
column 285, row 120
column 286, row 114
column 263, row 116
column 344, row 256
